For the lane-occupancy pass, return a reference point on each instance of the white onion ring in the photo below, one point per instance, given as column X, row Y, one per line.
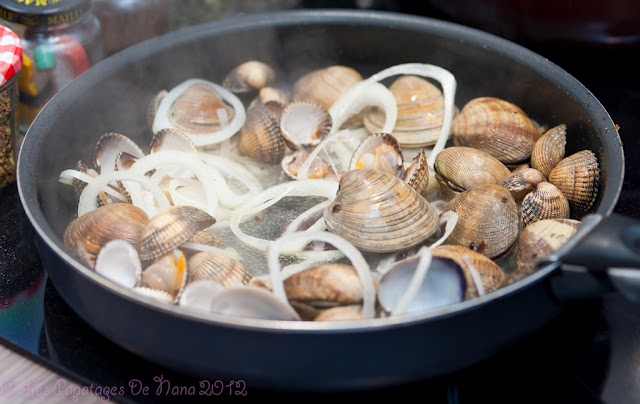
column 451, row 219
column 233, row 169
column 161, row 121
column 477, row 280
column 352, row 253
column 424, row 261
column 360, row 95
column 90, row 193
column 67, row 176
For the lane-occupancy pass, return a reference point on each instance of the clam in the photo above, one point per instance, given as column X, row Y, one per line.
column 208, row 238
column 167, row 273
column 153, row 105
column 489, row 275
column 109, row 222
column 488, row 222
column 171, row 139
column 546, row 202
column 269, row 94
column 118, row 261
column 292, row 163
column 496, row 127
column 325, row 85
column 252, row 302
column 260, row 137
column 321, row 287
column 170, row 228
column 539, row 239
column 463, row 168
column 217, row 267
column 197, row 295
column 417, row 173
column 379, row 212
column 549, row 149
column 249, row 76
column 304, row 124
column 379, row 151
column 578, row 177
column 420, row 112
column 522, row 181
column 154, row 294
column 443, row 284
column 109, row 146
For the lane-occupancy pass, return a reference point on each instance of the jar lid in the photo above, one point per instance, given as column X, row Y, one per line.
column 10, row 54
column 43, row 13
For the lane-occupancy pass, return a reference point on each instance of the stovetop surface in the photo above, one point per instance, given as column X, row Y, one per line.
column 589, row 354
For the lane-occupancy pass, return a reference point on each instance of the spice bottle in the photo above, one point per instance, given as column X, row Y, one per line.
column 61, row 39
column 10, row 65
column 126, row 22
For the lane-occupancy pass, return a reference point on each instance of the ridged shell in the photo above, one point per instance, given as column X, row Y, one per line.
column 260, row 137
column 109, row 146
column 291, row 164
column 195, row 111
column 167, row 273
column 325, row 85
column 420, row 112
column 170, row 228
column 549, row 149
column 417, row 174
column 488, row 220
column 208, row 238
column 578, row 177
column 218, row 267
column 268, row 94
column 491, row 275
column 304, row 123
column 496, row 127
column 110, row 222
column 546, row 202
column 379, row 212
column 171, row 139
column 379, row 151
column 540, row 239
column 463, row 168
column 249, row 76
column 522, row 181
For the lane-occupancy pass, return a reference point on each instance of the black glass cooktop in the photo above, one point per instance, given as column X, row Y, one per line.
column 589, row 354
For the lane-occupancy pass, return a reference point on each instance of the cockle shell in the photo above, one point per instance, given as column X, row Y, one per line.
column 488, row 220
column 545, row 202
column 463, row 168
column 195, row 111
column 325, row 85
column 171, row 139
column 379, row 212
column 417, row 174
column 118, row 261
column 249, row 76
column 491, row 275
column 167, row 273
column 218, row 267
column 578, row 177
column 379, row 151
column 110, row 222
column 522, row 181
column 107, row 149
column 171, row 227
column 252, row 302
column 420, row 112
column 304, row 124
column 549, row 149
column 496, row 127
column 273, row 94
column 292, row 163
column 260, row 137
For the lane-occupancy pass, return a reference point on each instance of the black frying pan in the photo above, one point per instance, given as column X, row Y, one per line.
column 113, row 96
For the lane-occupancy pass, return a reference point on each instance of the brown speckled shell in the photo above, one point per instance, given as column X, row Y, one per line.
column 379, row 212
column 488, row 220
column 417, row 174
column 578, row 177
column 325, row 85
column 546, row 202
column 249, row 76
column 496, row 127
column 491, row 274
column 218, row 267
column 463, row 168
column 260, row 137
column 522, row 181
column 549, row 149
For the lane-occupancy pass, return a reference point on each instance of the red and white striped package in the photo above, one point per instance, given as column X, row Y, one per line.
column 10, row 54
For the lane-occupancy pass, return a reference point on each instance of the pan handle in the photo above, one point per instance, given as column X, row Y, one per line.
column 603, row 256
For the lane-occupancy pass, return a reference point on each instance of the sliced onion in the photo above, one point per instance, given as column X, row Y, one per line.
column 447, row 81
column 475, row 275
column 233, row 169
column 350, row 251
column 161, row 120
column 89, row 195
column 424, row 261
column 270, row 196
column 451, row 219
column 364, row 94
column 67, row 177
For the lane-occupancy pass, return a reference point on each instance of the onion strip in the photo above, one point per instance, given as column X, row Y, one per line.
column 67, row 177
column 352, row 253
column 424, row 261
column 360, row 95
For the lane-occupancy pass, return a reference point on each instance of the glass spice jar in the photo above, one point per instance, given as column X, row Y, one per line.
column 61, row 39
column 10, row 65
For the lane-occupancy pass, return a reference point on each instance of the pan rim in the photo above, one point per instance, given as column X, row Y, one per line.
column 27, row 191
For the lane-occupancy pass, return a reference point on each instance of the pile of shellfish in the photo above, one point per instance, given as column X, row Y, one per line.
column 343, row 198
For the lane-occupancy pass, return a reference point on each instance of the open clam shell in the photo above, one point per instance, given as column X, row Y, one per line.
column 109, row 146
column 417, row 174
column 118, row 261
column 252, row 302
column 379, row 212
column 379, row 151
column 304, row 124
column 167, row 273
